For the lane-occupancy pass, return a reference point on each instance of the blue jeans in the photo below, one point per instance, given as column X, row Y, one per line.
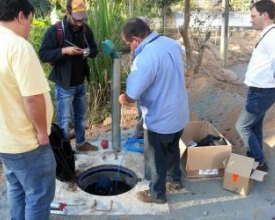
column 30, row 183
column 162, row 157
column 71, row 101
column 250, row 122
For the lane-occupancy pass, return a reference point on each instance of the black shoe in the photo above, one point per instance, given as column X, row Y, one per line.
column 144, row 196
column 262, row 166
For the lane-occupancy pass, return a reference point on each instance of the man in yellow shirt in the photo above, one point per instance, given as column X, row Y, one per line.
column 25, row 117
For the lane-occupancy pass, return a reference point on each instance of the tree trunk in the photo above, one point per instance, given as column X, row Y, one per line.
column 201, row 50
column 163, row 12
column 184, row 34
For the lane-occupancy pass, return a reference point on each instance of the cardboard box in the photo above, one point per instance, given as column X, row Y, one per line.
column 240, row 173
column 193, row 116
column 203, row 161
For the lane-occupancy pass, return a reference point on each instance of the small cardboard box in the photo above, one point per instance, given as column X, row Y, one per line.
column 193, row 116
column 240, row 173
column 203, row 161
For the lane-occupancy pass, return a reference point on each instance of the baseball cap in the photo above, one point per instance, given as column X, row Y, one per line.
column 77, row 9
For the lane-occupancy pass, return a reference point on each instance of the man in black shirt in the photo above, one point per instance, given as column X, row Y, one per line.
column 67, row 45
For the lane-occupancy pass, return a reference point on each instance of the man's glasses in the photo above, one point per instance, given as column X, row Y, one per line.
column 77, row 21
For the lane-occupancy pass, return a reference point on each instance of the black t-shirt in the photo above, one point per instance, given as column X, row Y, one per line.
column 78, row 63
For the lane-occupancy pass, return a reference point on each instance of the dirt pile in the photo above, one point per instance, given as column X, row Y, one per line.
column 217, row 94
column 240, row 48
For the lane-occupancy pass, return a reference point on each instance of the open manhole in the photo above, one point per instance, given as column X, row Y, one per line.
column 107, row 180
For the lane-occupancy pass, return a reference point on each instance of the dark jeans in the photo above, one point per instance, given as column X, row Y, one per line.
column 162, row 157
column 250, row 122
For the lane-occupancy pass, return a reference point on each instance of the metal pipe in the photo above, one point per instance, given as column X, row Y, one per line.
column 115, row 92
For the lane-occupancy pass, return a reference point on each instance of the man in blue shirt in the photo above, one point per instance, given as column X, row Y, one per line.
column 157, row 82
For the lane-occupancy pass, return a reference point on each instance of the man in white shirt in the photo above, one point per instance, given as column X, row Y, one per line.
column 260, row 81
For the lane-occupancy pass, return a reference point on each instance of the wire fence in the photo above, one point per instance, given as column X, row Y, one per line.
column 215, row 32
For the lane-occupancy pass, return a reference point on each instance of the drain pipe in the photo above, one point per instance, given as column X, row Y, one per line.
column 108, row 49
column 115, row 92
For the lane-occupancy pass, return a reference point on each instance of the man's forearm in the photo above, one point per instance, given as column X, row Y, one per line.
column 36, row 110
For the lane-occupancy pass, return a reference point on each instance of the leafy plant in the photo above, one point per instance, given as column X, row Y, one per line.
column 35, row 39
column 106, row 20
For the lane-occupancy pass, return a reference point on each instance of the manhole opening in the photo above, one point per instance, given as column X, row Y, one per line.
column 107, row 180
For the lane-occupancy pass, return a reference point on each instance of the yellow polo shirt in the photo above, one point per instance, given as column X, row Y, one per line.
column 20, row 75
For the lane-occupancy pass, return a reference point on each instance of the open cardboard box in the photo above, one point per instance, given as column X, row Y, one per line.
column 202, row 161
column 240, row 173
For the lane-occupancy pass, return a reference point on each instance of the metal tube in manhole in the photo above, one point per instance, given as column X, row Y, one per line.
column 107, row 180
